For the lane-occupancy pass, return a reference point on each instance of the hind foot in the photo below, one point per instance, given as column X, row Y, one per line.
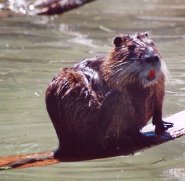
column 160, row 129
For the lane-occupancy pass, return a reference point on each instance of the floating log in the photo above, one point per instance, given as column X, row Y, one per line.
column 176, row 131
column 49, row 7
column 39, row 7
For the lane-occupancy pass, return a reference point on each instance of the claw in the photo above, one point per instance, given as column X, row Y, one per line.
column 160, row 129
column 167, row 125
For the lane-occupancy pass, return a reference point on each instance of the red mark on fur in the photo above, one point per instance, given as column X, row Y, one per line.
column 151, row 74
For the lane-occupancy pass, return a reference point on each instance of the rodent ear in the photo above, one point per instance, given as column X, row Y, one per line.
column 118, row 41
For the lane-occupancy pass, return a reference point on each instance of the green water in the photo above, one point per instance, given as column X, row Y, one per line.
column 33, row 49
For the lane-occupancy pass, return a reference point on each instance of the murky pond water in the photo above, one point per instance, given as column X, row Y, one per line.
column 33, row 49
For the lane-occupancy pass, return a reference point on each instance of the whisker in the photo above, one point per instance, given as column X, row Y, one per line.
column 120, row 64
column 116, row 72
column 134, row 59
column 138, row 43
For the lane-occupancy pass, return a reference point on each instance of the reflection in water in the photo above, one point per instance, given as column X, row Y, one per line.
column 33, row 49
column 178, row 173
column 18, row 6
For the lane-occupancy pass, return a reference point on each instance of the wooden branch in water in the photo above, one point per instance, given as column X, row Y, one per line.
column 176, row 131
column 49, row 7
column 38, row 159
column 39, row 7
column 32, row 160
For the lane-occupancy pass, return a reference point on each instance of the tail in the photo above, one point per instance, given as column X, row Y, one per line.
column 29, row 160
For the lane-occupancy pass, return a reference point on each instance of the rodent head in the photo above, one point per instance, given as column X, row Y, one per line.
column 134, row 59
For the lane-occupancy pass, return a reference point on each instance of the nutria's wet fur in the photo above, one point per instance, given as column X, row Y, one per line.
column 100, row 104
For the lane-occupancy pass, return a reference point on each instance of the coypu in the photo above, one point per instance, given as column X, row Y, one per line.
column 99, row 105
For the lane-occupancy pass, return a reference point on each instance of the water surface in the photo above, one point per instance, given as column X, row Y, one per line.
column 33, row 49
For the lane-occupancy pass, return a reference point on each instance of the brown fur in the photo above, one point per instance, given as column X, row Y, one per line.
column 100, row 102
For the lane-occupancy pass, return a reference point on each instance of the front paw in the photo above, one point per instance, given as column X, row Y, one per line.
column 160, row 129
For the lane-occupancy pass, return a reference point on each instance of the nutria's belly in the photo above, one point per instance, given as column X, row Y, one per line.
column 128, row 118
column 135, row 107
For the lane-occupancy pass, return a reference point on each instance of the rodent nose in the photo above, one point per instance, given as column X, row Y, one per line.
column 151, row 59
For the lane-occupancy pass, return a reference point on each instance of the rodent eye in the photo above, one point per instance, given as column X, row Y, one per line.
column 146, row 34
column 131, row 47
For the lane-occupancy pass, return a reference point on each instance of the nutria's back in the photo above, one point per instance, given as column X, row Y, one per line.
column 73, row 102
column 99, row 103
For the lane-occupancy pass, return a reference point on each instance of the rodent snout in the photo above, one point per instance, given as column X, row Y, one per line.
column 151, row 59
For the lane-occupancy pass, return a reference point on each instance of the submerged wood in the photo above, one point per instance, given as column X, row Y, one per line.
column 176, row 131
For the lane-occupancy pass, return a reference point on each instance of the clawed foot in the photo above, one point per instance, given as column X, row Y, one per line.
column 160, row 129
